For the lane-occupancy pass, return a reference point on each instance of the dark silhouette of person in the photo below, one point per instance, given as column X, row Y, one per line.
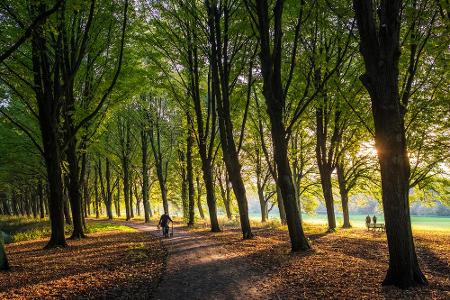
column 368, row 220
column 164, row 223
column 374, row 219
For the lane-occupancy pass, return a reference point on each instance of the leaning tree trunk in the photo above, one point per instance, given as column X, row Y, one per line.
column 380, row 48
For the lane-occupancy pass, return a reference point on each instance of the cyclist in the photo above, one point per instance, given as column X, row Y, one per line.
column 164, row 223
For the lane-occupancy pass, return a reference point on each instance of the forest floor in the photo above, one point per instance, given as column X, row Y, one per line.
column 113, row 264
column 198, row 264
column 346, row 264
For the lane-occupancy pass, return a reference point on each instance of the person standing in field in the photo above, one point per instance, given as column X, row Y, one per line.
column 374, row 220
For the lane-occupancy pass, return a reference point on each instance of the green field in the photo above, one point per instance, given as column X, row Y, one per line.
column 434, row 223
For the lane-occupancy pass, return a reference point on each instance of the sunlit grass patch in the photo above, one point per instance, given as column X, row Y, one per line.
column 93, row 227
column 20, row 229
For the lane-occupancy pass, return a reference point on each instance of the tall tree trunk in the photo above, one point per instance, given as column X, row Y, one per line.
column 199, row 198
column 4, row 265
column 344, row 195
column 144, row 148
column 225, row 193
column 229, row 151
column 190, row 176
column 163, row 189
column 136, row 195
column 109, row 199
column 324, row 155
column 34, row 203
column 274, row 96
column 210, row 195
column 41, row 199
column 203, row 149
column 280, row 204
column 118, row 199
column 86, row 196
column 325, row 181
column 74, row 190
column 66, row 207
column 126, row 189
column 184, row 187
column 47, row 99
column 4, row 203
column 380, row 48
column 262, row 204
column 96, row 194
column 55, row 195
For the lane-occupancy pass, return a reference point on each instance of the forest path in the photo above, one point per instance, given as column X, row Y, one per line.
column 200, row 268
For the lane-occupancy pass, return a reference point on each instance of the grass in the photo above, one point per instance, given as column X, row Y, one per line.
column 24, row 229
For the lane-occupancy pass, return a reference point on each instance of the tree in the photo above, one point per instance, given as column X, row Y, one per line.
column 4, row 265
column 274, row 94
column 380, row 48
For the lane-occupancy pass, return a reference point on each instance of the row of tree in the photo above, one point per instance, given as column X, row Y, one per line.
column 153, row 103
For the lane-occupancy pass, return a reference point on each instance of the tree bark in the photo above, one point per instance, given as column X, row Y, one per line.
column 4, row 265
column 380, row 48
column 66, row 207
column 344, row 195
column 109, row 197
column 74, row 190
column 96, row 194
column 199, row 198
column 48, row 96
column 144, row 148
column 274, row 96
column 205, row 152
column 225, row 193
column 190, row 176
column 220, row 92
column 118, row 199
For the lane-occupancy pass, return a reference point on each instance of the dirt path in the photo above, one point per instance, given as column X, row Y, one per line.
column 199, row 268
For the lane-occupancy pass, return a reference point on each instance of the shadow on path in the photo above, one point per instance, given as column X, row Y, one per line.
column 201, row 268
